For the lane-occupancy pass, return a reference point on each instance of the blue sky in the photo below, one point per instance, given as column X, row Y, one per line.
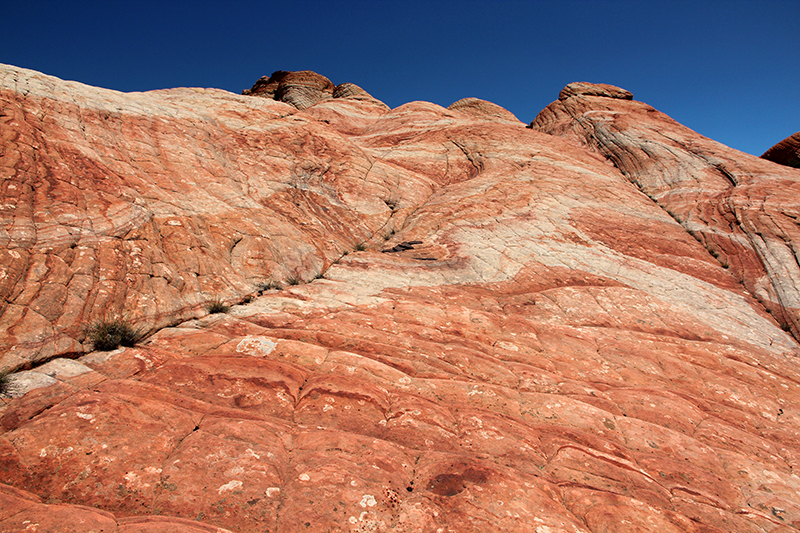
column 727, row 69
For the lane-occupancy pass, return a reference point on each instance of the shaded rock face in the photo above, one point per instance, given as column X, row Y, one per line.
column 520, row 337
column 303, row 88
column 786, row 152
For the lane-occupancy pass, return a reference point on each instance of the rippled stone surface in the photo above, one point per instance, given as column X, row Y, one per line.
column 520, row 338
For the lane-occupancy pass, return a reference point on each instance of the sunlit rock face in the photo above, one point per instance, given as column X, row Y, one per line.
column 743, row 209
column 577, row 326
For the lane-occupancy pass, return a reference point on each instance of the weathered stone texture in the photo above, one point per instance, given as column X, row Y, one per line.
column 526, row 342
column 743, row 209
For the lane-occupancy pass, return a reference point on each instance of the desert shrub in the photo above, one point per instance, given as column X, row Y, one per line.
column 292, row 280
column 268, row 285
column 108, row 335
column 217, row 306
column 360, row 247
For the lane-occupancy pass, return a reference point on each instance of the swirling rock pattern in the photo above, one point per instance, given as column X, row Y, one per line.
column 541, row 347
column 743, row 209
column 304, row 88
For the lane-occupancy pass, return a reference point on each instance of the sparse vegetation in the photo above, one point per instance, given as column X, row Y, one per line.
column 106, row 335
column 293, row 280
column 268, row 285
column 360, row 247
column 217, row 306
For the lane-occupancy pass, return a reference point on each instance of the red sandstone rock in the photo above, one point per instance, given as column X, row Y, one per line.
column 538, row 347
column 304, row 89
column 23, row 511
column 786, row 152
column 742, row 209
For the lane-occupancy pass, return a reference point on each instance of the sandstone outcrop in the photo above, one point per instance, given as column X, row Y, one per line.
column 742, row 209
column 304, row 88
column 477, row 108
column 786, row 152
column 520, row 337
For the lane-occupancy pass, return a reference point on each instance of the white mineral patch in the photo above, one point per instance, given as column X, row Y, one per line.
column 256, row 346
column 368, row 500
column 231, row 485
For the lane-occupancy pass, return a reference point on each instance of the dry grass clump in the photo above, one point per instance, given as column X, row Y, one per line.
column 106, row 335
column 217, row 306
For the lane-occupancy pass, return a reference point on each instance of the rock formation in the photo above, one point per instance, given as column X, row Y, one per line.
column 786, row 152
column 304, row 89
column 578, row 326
column 742, row 209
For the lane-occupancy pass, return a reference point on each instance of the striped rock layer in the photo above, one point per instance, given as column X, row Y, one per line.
column 583, row 325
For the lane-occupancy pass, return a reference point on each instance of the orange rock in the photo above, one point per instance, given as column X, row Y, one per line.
column 518, row 339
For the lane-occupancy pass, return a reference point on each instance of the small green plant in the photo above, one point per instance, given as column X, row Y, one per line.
column 292, row 280
column 360, row 247
column 217, row 306
column 107, row 335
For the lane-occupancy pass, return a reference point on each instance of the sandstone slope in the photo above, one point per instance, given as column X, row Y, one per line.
column 528, row 341
column 743, row 209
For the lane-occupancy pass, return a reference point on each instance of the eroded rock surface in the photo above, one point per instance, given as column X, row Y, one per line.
column 743, row 209
column 526, row 340
column 304, row 88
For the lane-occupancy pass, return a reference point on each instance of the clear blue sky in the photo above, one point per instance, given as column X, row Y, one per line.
column 727, row 69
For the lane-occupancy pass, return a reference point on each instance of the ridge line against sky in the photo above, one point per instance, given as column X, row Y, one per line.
column 724, row 69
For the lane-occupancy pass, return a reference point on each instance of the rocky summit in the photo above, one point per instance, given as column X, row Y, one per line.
column 426, row 319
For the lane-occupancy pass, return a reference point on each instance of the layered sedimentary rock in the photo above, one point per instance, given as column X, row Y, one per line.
column 520, row 337
column 786, row 152
column 147, row 206
column 744, row 210
column 304, row 88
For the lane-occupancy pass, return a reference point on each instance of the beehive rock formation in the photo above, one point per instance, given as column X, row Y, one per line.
column 577, row 326
column 304, row 88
